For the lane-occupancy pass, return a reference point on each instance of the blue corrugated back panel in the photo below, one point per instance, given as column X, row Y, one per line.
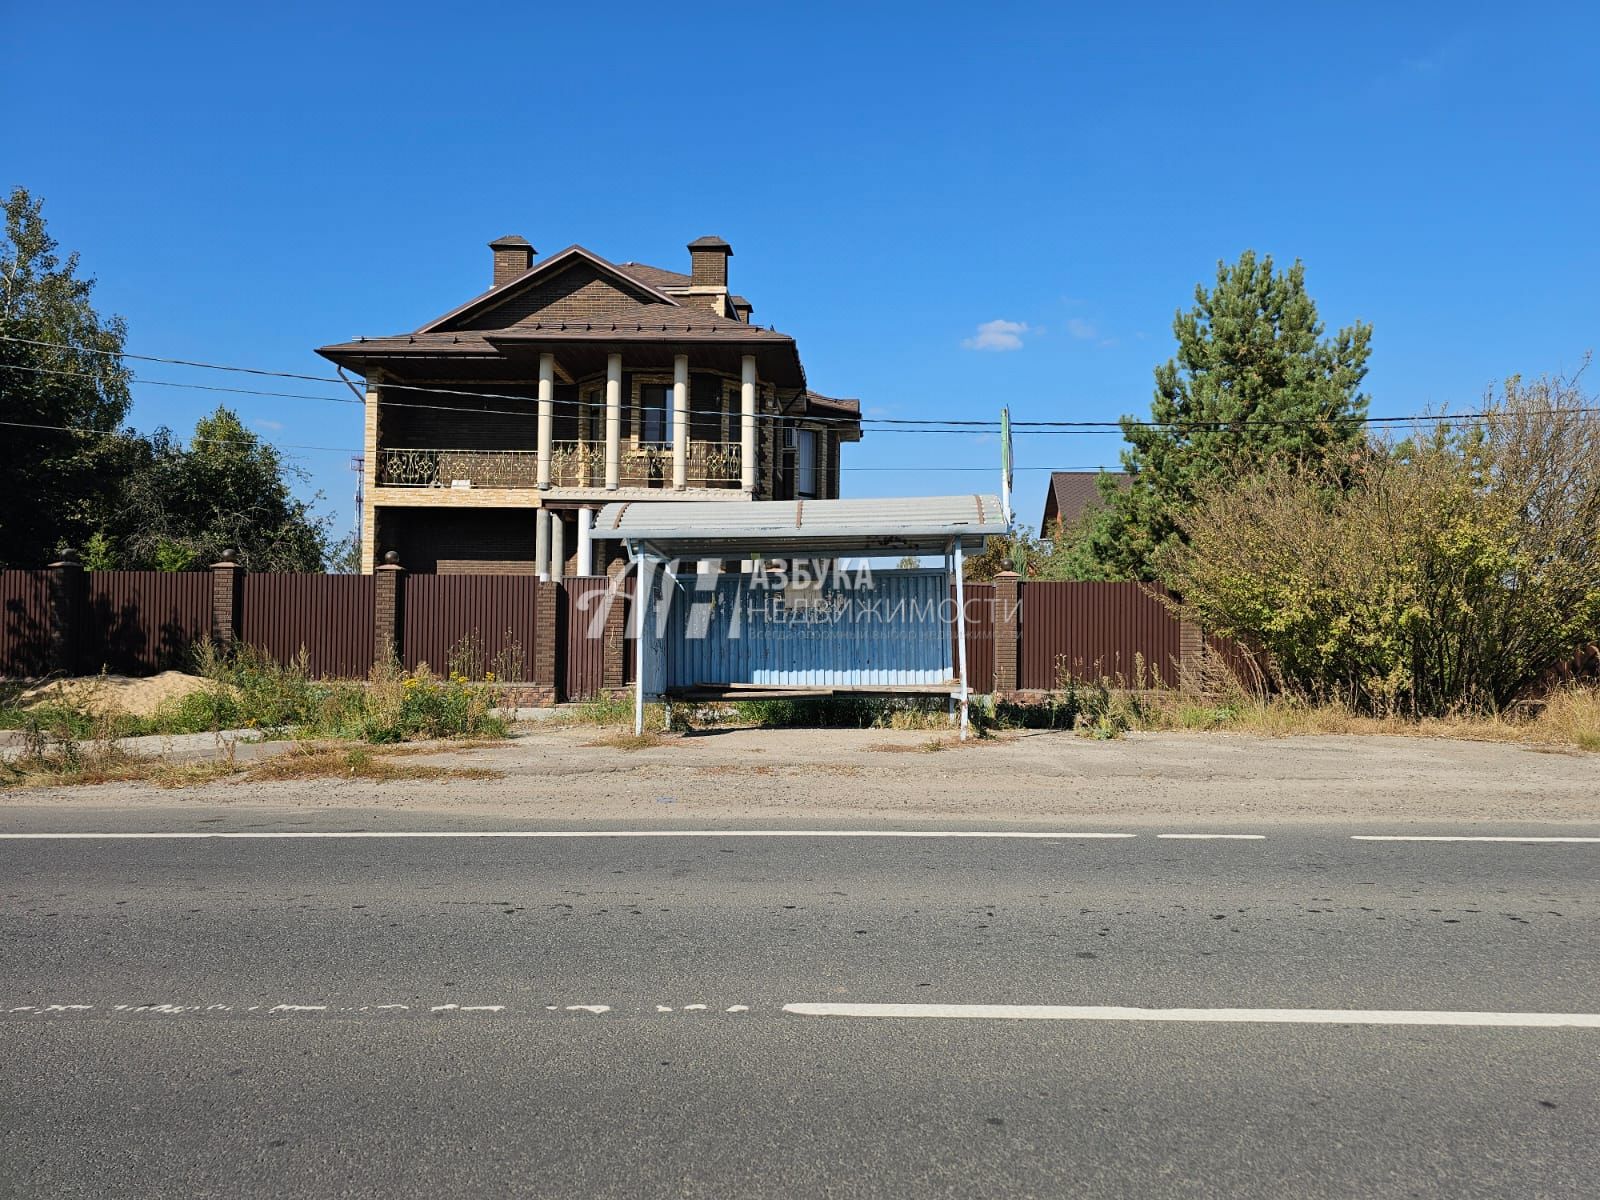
column 730, row 629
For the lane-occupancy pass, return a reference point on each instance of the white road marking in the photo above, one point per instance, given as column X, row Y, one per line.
column 1288, row 1016
column 1397, row 837
column 1215, row 837
column 694, row 1008
column 286, row 835
column 597, row 1009
column 296, row 1008
column 737, row 1008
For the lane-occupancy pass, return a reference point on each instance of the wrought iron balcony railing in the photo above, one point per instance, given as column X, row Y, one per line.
column 572, row 464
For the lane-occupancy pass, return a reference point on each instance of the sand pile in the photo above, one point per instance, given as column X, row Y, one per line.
column 137, row 696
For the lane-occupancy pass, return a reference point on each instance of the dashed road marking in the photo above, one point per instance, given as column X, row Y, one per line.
column 1216, row 837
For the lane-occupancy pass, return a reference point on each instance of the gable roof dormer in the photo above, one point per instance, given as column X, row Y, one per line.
column 574, row 284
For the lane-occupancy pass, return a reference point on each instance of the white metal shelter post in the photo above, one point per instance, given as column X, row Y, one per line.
column 961, row 634
column 640, row 601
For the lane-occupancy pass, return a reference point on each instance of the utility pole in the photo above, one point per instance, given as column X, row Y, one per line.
column 358, row 464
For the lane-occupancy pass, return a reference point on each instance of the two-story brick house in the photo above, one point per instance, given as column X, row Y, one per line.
column 496, row 431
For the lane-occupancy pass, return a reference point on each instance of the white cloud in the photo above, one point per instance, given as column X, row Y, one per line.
column 265, row 423
column 998, row 335
column 1084, row 331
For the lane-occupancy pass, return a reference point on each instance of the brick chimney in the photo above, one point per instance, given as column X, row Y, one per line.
column 708, row 263
column 513, row 256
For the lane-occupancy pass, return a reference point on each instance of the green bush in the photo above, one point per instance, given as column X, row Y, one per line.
column 1448, row 573
column 392, row 705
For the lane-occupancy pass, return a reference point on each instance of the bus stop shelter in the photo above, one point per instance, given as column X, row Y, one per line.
column 777, row 598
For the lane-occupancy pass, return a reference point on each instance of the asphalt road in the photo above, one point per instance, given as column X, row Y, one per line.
column 591, row 1016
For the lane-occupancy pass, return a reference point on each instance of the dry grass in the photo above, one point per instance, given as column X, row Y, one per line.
column 628, row 740
column 330, row 762
column 934, row 745
column 1568, row 718
column 310, row 761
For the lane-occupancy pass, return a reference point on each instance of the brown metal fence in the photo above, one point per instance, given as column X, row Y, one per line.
column 498, row 612
column 980, row 637
column 329, row 616
column 139, row 621
column 584, row 615
column 1094, row 630
column 24, row 623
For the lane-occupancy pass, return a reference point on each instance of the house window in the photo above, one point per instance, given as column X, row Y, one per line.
column 805, row 463
column 655, row 414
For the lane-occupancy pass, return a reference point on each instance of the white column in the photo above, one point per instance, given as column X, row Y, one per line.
column 613, row 420
column 747, row 425
column 586, row 541
column 541, row 543
column 680, row 420
column 558, row 546
column 547, row 411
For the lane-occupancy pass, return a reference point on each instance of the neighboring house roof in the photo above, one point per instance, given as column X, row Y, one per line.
column 1073, row 493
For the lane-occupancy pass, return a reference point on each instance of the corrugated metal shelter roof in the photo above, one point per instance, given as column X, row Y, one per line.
column 898, row 525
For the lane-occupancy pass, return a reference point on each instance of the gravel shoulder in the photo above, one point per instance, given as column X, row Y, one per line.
column 558, row 773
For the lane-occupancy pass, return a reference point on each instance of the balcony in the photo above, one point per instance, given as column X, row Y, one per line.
column 572, row 465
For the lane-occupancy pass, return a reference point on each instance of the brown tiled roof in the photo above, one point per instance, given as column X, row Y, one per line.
column 830, row 404
column 656, row 277
column 1073, row 493
column 843, row 415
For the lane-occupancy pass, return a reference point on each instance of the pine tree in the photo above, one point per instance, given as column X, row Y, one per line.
column 1254, row 381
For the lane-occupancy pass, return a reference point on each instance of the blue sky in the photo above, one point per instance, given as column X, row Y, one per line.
column 249, row 182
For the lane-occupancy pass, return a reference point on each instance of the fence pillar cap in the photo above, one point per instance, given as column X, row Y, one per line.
column 66, row 557
column 391, row 561
column 228, row 558
column 1007, row 575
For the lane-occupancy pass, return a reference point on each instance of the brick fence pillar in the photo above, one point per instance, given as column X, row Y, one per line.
column 1191, row 648
column 1007, row 631
column 227, row 600
column 68, row 600
column 546, row 629
column 388, row 609
column 614, row 645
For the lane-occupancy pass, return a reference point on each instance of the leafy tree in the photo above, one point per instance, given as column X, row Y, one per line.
column 183, row 505
column 1447, row 572
column 344, row 555
column 1017, row 551
column 59, row 377
column 1254, row 382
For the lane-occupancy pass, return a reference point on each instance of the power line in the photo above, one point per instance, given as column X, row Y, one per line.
column 894, row 424
column 247, row 439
